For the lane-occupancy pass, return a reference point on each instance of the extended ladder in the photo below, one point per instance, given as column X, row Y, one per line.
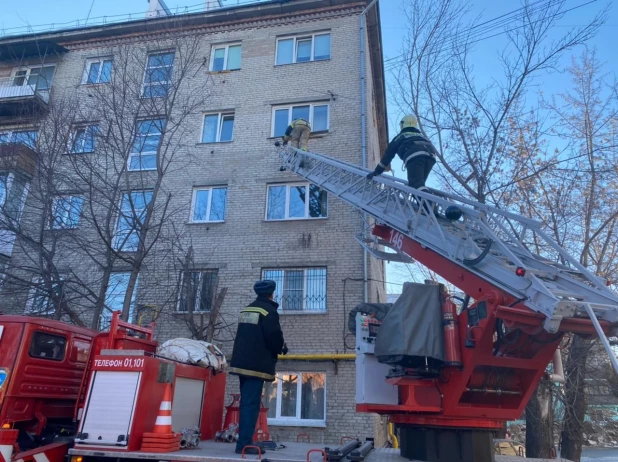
column 502, row 248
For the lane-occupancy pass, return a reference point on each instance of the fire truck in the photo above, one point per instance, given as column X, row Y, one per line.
column 70, row 392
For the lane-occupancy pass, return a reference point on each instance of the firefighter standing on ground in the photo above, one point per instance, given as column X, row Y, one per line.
column 416, row 152
column 258, row 342
column 297, row 134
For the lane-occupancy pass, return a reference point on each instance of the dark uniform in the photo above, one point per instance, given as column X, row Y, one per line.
column 417, row 153
column 258, row 342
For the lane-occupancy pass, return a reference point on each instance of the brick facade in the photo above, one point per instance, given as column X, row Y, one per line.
column 245, row 243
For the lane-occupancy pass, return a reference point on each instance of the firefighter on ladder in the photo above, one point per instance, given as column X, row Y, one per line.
column 416, row 152
column 258, row 342
column 297, row 134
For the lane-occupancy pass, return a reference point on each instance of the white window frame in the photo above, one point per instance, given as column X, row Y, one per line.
column 295, row 47
column 287, row 203
column 198, row 292
column 55, row 200
column 150, row 84
column 29, row 70
column 147, row 153
column 89, row 63
column 93, row 126
column 123, row 248
column 221, row 116
column 282, row 308
column 208, row 208
column 292, row 106
column 297, row 421
column 226, row 46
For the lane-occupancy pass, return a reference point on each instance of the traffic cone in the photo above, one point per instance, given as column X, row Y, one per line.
column 162, row 438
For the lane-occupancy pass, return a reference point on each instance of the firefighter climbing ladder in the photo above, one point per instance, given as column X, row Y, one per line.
column 494, row 244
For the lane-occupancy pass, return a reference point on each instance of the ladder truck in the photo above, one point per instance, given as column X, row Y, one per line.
column 518, row 306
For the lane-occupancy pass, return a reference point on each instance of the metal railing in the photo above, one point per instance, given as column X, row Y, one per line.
column 8, row 89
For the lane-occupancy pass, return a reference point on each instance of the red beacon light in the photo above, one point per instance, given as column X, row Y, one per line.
column 521, row 272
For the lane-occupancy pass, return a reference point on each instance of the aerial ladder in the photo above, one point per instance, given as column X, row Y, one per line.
column 524, row 292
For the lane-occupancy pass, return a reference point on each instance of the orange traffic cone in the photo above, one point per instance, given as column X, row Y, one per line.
column 162, row 438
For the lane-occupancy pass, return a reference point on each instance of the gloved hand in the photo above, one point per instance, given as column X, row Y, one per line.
column 371, row 175
column 284, row 350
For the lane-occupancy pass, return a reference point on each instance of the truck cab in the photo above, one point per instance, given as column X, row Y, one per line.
column 42, row 365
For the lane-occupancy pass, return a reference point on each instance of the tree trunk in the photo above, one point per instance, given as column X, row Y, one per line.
column 99, row 305
column 572, row 436
column 540, row 422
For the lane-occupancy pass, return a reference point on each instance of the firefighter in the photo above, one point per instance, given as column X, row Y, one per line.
column 298, row 134
column 258, row 342
column 416, row 151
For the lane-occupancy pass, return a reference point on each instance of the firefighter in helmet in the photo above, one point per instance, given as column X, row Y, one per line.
column 297, row 134
column 416, row 152
column 258, row 342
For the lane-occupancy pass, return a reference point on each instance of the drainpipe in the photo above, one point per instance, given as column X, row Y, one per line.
column 364, row 130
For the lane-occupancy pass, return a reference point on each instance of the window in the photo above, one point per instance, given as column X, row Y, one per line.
column 299, row 289
column 208, row 204
column 218, row 128
column 38, row 78
column 302, row 49
column 225, row 57
column 98, row 70
column 146, row 144
column 114, row 298
column 41, row 299
column 198, row 290
column 315, row 114
column 25, row 137
column 66, row 211
column 296, row 399
column 132, row 213
column 290, row 202
column 47, row 346
column 158, row 75
column 83, row 139
column 4, row 187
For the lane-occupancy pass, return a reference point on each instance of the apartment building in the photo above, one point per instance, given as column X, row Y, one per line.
column 138, row 172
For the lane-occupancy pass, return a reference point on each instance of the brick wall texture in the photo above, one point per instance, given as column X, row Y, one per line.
column 245, row 242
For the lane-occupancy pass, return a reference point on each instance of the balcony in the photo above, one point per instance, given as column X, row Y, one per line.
column 18, row 158
column 23, row 100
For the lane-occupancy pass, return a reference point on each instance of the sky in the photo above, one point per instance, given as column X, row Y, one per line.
column 47, row 14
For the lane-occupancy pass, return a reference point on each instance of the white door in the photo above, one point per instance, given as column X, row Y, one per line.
column 187, row 403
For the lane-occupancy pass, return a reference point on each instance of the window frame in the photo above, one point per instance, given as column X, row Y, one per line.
column 296, row 39
column 101, row 60
column 225, row 46
column 132, row 312
column 38, row 333
column 139, row 155
column 287, row 202
column 85, row 126
column 11, row 135
column 160, row 83
column 115, row 244
column 29, row 70
column 55, row 200
column 210, row 189
column 290, row 109
column 297, row 421
column 220, row 116
column 282, row 309
column 198, row 292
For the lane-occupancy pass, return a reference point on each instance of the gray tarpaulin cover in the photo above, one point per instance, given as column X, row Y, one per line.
column 412, row 329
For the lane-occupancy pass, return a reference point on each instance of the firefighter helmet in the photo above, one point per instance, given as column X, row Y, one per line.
column 408, row 121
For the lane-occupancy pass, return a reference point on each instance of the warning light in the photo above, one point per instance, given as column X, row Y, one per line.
column 521, row 272
column 6, row 425
column 77, row 459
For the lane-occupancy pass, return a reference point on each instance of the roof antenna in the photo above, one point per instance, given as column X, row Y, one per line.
column 213, row 4
column 157, row 8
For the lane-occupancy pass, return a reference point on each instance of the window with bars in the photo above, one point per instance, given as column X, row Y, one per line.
column 303, row 48
column 296, row 399
column 296, row 201
column 298, row 289
column 197, row 290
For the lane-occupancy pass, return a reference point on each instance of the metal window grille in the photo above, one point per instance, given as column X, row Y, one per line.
column 299, row 289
